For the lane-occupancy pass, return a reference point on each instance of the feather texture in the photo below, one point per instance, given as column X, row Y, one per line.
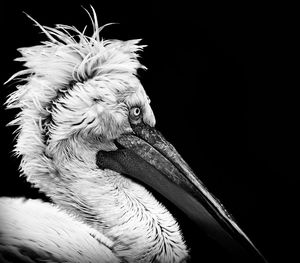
column 74, row 98
column 51, row 234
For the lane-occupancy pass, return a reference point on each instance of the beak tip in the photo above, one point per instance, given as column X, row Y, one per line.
column 147, row 157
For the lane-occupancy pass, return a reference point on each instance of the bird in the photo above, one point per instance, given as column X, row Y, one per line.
column 86, row 137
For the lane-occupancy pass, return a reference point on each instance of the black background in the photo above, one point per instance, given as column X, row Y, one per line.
column 220, row 81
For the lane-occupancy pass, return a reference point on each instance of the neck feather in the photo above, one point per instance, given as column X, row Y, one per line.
column 118, row 207
column 141, row 228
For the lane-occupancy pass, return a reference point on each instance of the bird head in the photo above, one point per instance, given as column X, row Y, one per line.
column 78, row 89
column 82, row 95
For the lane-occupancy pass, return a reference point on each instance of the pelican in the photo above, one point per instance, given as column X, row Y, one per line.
column 87, row 139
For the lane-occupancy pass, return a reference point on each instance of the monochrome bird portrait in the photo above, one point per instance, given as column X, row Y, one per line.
column 86, row 136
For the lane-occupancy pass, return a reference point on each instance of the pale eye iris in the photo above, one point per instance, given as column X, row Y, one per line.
column 136, row 111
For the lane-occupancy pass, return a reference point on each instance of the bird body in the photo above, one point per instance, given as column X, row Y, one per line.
column 87, row 139
column 35, row 231
column 60, row 124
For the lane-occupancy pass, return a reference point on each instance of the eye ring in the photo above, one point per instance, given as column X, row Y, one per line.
column 135, row 113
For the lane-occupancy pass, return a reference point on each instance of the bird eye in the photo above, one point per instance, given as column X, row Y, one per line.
column 135, row 113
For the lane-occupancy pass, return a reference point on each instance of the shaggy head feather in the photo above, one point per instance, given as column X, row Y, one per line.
column 76, row 94
column 76, row 86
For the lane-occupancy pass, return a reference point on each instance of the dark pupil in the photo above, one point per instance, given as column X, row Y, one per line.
column 136, row 111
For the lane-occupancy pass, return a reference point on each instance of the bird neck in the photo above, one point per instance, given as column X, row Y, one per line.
column 124, row 211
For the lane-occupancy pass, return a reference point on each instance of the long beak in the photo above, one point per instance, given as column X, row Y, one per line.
column 148, row 157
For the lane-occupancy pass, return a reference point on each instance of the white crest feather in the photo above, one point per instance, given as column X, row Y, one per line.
column 68, row 56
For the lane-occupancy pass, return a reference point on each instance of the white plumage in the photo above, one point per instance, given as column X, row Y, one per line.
column 33, row 231
column 86, row 138
column 74, row 98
